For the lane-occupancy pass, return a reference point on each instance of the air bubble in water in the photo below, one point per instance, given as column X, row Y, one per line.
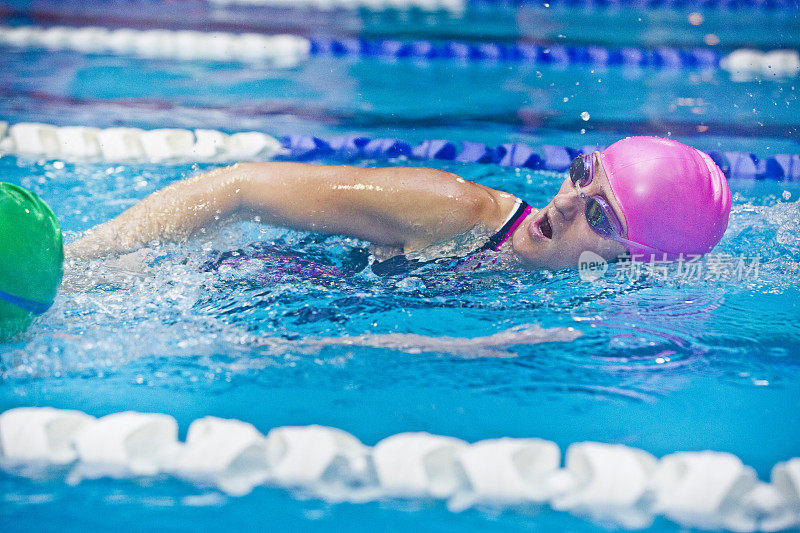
column 585, row 115
column 786, row 195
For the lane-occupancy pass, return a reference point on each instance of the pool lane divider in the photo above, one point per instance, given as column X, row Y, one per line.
column 174, row 145
column 459, row 6
column 286, row 51
column 665, row 5
column 612, row 482
column 430, row 6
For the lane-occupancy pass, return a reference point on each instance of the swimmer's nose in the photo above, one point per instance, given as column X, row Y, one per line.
column 568, row 203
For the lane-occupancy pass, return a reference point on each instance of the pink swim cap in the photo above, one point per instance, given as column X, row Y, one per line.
column 674, row 197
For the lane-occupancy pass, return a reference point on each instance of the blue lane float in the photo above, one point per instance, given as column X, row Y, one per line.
column 303, row 147
column 744, row 165
column 523, row 52
column 472, row 152
column 735, row 165
column 435, row 149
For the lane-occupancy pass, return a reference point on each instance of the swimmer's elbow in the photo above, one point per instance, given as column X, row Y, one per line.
column 250, row 184
column 229, row 186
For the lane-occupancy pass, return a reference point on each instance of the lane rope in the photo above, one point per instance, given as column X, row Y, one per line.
column 450, row 6
column 709, row 490
column 176, row 145
column 459, row 6
column 286, row 51
column 675, row 5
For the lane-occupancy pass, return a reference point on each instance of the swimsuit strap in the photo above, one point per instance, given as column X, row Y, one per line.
column 401, row 264
column 518, row 214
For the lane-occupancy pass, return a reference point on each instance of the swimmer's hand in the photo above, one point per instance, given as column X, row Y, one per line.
column 489, row 346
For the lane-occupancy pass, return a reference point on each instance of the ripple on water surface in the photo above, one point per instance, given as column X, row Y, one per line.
column 643, row 337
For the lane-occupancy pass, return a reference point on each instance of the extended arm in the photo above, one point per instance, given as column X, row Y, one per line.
column 397, row 206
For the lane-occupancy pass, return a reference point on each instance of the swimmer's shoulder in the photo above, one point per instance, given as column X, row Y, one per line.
column 497, row 211
column 491, row 207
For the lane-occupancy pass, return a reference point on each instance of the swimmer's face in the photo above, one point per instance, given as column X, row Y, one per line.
column 556, row 235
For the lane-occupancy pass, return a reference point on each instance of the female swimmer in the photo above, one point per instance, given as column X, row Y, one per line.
column 640, row 196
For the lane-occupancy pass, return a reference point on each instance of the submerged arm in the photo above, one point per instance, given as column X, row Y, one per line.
column 496, row 345
column 396, row 206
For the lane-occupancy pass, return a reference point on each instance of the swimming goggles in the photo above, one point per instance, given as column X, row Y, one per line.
column 599, row 213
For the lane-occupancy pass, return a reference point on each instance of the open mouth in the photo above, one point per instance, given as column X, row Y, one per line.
column 540, row 228
column 545, row 227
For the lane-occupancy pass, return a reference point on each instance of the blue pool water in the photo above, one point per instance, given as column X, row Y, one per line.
column 662, row 365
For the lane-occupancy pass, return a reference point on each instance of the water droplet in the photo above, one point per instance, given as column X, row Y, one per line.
column 695, row 19
column 585, row 115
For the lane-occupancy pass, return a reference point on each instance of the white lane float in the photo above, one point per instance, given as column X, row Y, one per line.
column 229, row 454
column 33, row 138
column 40, row 435
column 610, row 481
column 508, row 471
column 420, row 465
column 165, row 144
column 607, row 482
column 78, row 142
column 309, row 455
column 133, row 145
column 745, row 63
column 127, row 443
column 280, row 51
column 700, row 488
column 121, row 144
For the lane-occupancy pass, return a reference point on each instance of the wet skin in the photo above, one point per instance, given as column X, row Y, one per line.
column 555, row 236
column 404, row 208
